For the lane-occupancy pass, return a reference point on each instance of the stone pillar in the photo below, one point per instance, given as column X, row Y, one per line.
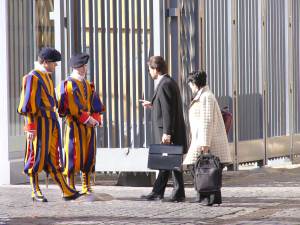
column 4, row 59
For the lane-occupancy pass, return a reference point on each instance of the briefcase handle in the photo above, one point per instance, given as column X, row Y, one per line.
column 167, row 144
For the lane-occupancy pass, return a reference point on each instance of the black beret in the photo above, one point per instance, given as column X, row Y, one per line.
column 78, row 60
column 50, row 54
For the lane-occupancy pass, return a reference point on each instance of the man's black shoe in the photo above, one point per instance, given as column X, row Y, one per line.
column 72, row 197
column 182, row 199
column 152, row 197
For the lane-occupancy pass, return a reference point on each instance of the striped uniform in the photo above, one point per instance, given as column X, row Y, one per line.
column 38, row 106
column 77, row 101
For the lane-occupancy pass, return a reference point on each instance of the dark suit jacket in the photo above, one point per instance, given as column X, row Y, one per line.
column 167, row 113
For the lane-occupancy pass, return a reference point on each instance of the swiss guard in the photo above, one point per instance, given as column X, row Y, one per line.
column 38, row 105
column 81, row 107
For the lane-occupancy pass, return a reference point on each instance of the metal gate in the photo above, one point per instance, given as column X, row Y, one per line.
column 251, row 68
column 118, row 35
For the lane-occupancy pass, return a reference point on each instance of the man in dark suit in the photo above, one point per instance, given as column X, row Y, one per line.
column 167, row 125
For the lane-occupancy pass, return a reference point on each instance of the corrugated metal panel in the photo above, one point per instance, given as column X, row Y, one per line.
column 218, row 51
column 276, row 68
column 296, row 63
column 217, row 46
column 249, row 78
column 21, row 51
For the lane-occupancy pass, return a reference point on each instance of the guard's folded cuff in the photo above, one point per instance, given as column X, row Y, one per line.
column 97, row 117
column 30, row 127
column 84, row 117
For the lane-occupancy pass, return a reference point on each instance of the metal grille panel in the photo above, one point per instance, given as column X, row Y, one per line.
column 296, row 62
column 276, row 68
column 117, row 34
column 249, row 77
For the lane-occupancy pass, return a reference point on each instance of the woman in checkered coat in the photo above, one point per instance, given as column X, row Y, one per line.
column 207, row 130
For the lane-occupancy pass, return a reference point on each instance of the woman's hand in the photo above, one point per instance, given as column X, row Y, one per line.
column 203, row 149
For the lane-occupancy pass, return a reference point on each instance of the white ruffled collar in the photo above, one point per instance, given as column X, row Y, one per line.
column 77, row 76
column 38, row 66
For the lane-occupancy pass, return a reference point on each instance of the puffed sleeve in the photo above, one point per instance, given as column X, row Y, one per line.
column 29, row 100
column 97, row 108
column 62, row 99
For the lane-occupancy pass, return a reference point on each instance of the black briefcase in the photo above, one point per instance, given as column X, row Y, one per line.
column 165, row 157
column 208, row 173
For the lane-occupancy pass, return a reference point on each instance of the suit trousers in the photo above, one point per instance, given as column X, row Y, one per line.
column 162, row 180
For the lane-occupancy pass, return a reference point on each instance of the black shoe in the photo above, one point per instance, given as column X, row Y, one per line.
column 205, row 202
column 39, row 198
column 72, row 197
column 152, row 197
column 196, row 200
column 182, row 199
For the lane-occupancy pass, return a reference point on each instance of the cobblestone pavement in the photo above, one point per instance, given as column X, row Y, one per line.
column 261, row 202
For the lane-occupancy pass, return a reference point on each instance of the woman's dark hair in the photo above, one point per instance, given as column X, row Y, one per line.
column 198, row 78
column 158, row 63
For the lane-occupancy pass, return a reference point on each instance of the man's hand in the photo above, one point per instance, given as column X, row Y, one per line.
column 166, row 139
column 146, row 104
column 92, row 122
column 30, row 135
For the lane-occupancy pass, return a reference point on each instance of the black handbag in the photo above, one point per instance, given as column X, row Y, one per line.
column 208, row 173
column 165, row 157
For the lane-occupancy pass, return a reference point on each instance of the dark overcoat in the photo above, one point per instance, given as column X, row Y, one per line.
column 167, row 113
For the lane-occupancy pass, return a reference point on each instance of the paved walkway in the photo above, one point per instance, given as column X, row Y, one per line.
column 263, row 196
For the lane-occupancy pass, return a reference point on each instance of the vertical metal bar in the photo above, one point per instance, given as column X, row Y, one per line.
column 116, row 76
column 234, row 31
column 103, row 71
column 59, row 32
column 10, row 53
column 151, row 50
column 133, row 74
column 127, row 73
column 95, row 75
column 83, row 26
column 16, row 71
column 289, row 50
column 140, row 76
column 71, row 26
column 108, row 76
column 158, row 27
column 91, row 39
column 16, row 87
column 75, row 25
column 263, row 73
column 145, row 71
column 120, row 75
column 174, row 49
column 197, row 34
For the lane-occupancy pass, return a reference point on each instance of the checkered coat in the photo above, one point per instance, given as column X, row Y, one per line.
column 207, row 128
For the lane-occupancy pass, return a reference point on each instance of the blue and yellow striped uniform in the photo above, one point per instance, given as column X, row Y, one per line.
column 77, row 101
column 38, row 105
